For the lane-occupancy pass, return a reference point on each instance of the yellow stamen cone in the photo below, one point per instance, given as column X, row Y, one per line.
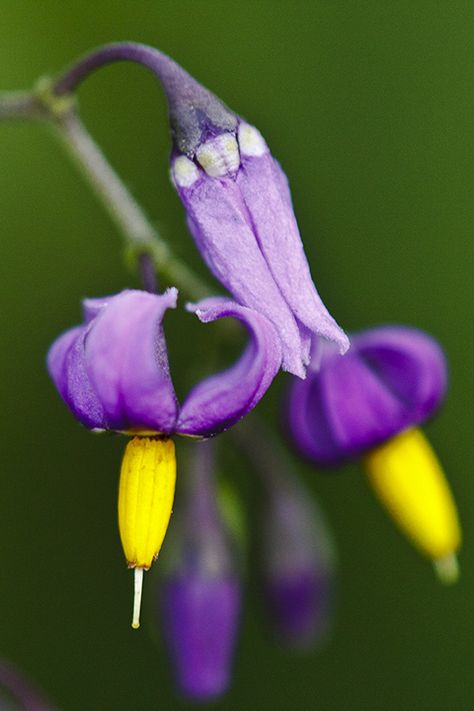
column 407, row 477
column 146, row 493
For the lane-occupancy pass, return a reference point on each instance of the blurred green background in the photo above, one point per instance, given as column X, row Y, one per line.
column 368, row 106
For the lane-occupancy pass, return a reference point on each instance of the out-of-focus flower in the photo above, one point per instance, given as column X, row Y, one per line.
column 16, row 693
column 368, row 404
column 298, row 565
column 296, row 549
column 200, row 587
column 113, row 373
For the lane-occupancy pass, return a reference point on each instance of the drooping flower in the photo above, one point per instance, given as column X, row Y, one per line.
column 240, row 213
column 368, row 404
column 200, row 596
column 113, row 373
column 238, row 204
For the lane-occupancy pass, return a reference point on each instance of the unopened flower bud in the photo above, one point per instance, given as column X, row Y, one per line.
column 200, row 591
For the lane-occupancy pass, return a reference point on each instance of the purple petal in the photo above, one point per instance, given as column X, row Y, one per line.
column 265, row 191
column 221, row 400
column 127, row 362
column 301, row 604
column 92, row 307
column 219, row 222
column 391, row 379
column 201, row 618
column 360, row 409
column 410, row 363
column 67, row 367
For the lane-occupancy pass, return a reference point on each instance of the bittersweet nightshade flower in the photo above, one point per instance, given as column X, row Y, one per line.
column 238, row 204
column 368, row 404
column 199, row 596
column 240, row 214
column 113, row 373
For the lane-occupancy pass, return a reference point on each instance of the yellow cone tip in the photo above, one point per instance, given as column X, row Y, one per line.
column 137, row 597
column 447, row 569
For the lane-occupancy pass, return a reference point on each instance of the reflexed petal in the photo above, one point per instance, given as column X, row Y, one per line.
column 127, row 362
column 360, row 409
column 265, row 190
column 410, row 363
column 67, row 367
column 219, row 222
column 92, row 307
column 392, row 378
column 221, row 400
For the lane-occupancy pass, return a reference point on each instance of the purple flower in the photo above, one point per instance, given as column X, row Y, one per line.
column 368, row 404
column 112, row 371
column 393, row 378
column 240, row 214
column 200, row 591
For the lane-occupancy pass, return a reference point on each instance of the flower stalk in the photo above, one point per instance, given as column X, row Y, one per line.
column 142, row 239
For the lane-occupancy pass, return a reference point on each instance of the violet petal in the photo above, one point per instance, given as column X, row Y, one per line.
column 221, row 400
column 218, row 220
column 127, row 362
column 264, row 188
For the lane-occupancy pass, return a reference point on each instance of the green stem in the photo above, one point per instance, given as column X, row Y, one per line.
column 140, row 235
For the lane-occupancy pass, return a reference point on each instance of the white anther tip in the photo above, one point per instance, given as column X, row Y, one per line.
column 251, row 141
column 219, row 156
column 184, row 172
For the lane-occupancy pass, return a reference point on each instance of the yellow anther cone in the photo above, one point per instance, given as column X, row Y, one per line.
column 407, row 477
column 145, row 501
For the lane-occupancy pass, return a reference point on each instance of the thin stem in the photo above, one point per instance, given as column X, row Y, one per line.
column 20, row 105
column 121, row 205
column 142, row 54
column 139, row 234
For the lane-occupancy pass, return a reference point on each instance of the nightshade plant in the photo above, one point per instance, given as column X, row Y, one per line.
column 112, row 371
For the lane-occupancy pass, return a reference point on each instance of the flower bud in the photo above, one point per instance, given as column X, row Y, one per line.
column 298, row 565
column 200, row 592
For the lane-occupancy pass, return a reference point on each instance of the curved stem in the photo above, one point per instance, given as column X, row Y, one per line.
column 142, row 54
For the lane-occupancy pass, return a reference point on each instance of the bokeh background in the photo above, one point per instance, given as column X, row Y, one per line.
column 368, row 105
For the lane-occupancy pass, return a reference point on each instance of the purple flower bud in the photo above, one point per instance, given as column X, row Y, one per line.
column 298, row 564
column 113, row 372
column 297, row 554
column 200, row 593
column 393, row 378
